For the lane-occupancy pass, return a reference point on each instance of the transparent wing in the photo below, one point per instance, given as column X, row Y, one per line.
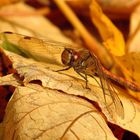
column 42, row 50
column 14, row 37
column 108, row 89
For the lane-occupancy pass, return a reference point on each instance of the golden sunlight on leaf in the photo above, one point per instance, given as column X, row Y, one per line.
column 38, row 113
column 109, row 33
column 57, row 89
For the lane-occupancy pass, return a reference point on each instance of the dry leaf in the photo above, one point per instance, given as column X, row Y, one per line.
column 38, row 113
column 73, row 113
column 34, row 25
column 131, row 62
column 72, row 85
column 134, row 20
column 109, row 33
column 133, row 40
column 36, row 73
column 60, row 106
column 10, row 79
column 32, row 70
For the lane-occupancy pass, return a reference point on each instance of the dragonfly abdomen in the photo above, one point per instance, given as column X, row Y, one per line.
column 121, row 81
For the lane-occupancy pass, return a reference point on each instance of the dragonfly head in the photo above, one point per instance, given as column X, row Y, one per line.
column 69, row 56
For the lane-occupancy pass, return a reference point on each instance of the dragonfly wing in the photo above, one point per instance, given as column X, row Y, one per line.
column 117, row 101
column 42, row 50
column 108, row 89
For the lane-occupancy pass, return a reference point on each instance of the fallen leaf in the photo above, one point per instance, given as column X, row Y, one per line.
column 10, row 79
column 27, row 25
column 133, row 40
column 131, row 62
column 68, row 82
column 71, row 84
column 109, row 33
column 58, row 106
column 36, row 73
column 40, row 113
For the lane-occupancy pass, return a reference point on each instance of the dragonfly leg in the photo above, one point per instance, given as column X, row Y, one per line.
column 85, row 78
column 64, row 69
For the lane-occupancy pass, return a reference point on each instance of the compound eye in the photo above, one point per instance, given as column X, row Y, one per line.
column 66, row 56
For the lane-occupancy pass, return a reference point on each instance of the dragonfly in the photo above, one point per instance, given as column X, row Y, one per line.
column 87, row 64
column 83, row 62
